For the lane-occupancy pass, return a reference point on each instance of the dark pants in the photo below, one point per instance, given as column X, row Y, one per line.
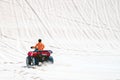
column 36, row 50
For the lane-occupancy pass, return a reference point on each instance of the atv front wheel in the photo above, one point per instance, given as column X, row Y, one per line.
column 28, row 61
column 31, row 61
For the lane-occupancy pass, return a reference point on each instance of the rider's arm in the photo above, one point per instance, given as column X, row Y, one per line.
column 34, row 46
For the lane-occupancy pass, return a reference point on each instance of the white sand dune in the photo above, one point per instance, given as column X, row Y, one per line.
column 84, row 36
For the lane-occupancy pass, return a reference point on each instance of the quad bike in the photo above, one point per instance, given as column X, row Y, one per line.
column 34, row 57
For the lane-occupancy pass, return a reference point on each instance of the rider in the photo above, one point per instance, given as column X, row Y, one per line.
column 39, row 46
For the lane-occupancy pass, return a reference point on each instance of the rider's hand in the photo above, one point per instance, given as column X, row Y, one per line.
column 31, row 47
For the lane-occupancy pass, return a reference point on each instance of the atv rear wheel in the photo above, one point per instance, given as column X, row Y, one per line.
column 50, row 59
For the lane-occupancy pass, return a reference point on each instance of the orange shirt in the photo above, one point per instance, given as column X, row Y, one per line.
column 40, row 46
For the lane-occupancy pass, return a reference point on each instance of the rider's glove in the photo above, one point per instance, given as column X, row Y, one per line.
column 31, row 47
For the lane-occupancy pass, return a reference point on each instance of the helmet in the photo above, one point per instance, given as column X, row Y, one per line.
column 39, row 40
